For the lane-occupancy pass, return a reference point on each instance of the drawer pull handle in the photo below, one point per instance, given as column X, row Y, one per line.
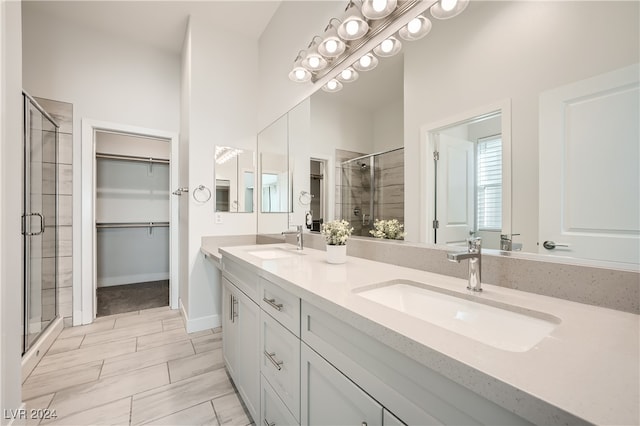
column 364, row 423
column 273, row 304
column 266, row 423
column 271, row 356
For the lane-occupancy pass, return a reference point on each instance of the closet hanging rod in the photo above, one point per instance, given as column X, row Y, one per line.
column 131, row 158
column 101, row 225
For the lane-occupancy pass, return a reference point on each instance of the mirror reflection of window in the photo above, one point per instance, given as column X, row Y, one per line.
column 271, row 193
column 248, row 191
column 489, row 184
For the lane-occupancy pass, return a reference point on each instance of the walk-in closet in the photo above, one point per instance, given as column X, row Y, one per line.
column 132, row 210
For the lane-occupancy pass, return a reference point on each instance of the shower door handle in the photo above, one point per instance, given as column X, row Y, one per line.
column 24, row 224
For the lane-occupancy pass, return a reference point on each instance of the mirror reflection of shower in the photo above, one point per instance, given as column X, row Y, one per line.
column 371, row 188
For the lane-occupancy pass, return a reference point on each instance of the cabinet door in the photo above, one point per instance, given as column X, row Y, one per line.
column 229, row 330
column 330, row 398
column 274, row 412
column 280, row 361
column 248, row 351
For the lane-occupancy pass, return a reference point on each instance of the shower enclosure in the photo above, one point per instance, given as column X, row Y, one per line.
column 372, row 187
column 39, row 221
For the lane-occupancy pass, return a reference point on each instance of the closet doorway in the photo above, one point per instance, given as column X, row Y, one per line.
column 132, row 222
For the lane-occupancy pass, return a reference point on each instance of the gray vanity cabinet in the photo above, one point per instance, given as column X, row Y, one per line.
column 241, row 341
column 330, row 398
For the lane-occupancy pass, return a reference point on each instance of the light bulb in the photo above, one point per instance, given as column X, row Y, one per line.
column 448, row 5
column 300, row 74
column 365, row 61
column 332, row 84
column 379, row 5
column 414, row 25
column 346, row 74
column 386, row 46
column 331, row 46
column 352, row 27
column 314, row 62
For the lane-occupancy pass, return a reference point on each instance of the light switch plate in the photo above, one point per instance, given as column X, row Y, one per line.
column 218, row 217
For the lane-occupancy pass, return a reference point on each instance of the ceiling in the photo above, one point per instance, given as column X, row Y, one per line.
column 159, row 23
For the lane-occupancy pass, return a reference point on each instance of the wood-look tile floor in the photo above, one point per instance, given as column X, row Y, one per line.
column 133, row 369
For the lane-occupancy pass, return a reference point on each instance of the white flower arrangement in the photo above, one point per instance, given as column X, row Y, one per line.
column 388, row 229
column 336, row 232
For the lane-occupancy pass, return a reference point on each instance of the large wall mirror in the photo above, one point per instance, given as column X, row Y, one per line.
column 273, row 168
column 235, row 180
column 491, row 53
column 361, row 129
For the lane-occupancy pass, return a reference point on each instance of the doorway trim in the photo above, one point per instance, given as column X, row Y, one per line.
column 428, row 173
column 328, row 185
column 84, row 284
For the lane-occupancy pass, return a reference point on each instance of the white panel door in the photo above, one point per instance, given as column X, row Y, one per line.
column 455, row 190
column 589, row 168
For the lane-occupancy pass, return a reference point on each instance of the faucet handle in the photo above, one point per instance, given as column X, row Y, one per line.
column 474, row 244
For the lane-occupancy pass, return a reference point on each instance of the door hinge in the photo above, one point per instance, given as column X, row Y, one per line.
column 436, row 224
column 436, row 155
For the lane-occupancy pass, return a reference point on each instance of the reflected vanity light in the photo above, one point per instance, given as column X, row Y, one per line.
column 226, row 153
column 332, row 86
column 388, row 47
column 366, row 63
column 348, row 75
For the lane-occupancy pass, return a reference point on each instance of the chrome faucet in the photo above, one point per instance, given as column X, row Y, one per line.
column 507, row 244
column 298, row 233
column 474, row 254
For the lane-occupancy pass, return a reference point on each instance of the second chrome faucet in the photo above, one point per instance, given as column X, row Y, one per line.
column 298, row 234
column 474, row 254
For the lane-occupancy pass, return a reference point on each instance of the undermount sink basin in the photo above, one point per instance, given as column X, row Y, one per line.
column 499, row 325
column 274, row 253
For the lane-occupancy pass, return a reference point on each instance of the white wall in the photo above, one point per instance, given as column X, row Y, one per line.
column 183, row 220
column 290, row 30
column 222, row 111
column 10, row 205
column 388, row 126
column 106, row 78
column 499, row 50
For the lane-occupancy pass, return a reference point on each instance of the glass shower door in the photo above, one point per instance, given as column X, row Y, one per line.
column 39, row 222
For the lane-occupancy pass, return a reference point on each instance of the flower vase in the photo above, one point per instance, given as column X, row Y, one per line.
column 336, row 254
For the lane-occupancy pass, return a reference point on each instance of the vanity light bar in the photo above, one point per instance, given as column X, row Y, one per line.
column 343, row 38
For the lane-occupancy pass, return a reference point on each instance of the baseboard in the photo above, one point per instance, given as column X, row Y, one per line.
column 42, row 345
column 129, row 279
column 199, row 324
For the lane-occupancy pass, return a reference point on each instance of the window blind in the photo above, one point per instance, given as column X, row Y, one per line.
column 489, row 184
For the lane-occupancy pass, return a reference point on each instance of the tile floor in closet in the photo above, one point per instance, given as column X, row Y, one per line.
column 132, row 369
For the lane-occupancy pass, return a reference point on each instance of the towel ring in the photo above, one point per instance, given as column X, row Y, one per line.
column 201, row 194
column 305, row 198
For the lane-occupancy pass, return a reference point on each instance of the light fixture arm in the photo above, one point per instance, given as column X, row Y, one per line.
column 313, row 41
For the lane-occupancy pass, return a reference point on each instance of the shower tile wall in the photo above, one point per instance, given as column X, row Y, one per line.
column 62, row 112
column 354, row 189
column 342, row 187
column 389, row 185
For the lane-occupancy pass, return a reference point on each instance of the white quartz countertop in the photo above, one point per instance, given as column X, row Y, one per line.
column 587, row 367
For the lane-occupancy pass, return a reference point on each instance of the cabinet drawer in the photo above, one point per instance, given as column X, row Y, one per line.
column 241, row 277
column 281, row 305
column 274, row 412
column 280, row 362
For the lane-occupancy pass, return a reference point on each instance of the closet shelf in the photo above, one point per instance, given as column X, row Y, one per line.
column 103, row 225
column 132, row 158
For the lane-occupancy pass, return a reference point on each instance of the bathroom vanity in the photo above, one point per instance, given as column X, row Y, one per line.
column 307, row 342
